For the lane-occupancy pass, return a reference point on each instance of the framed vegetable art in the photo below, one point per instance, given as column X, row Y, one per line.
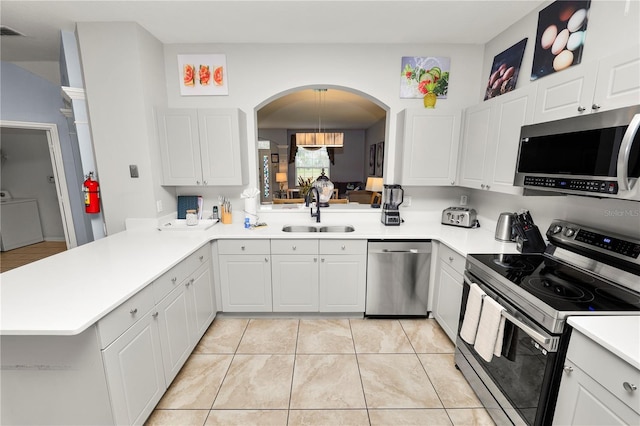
column 202, row 75
column 422, row 75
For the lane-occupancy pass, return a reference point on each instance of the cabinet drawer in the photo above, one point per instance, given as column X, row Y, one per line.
column 124, row 316
column 605, row 368
column 243, row 247
column 199, row 258
column 343, row 247
column 168, row 281
column 451, row 258
column 294, row 246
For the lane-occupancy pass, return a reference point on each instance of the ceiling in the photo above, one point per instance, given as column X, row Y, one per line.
column 266, row 21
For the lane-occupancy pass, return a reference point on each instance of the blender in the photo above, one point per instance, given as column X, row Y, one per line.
column 393, row 197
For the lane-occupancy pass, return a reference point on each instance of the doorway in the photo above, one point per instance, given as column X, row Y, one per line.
column 47, row 133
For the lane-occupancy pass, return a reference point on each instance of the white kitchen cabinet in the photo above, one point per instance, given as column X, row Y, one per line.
column 343, row 275
column 447, row 292
column 245, row 275
column 133, row 366
column 175, row 325
column 592, row 388
column 610, row 83
column 491, row 139
column 202, row 146
column 294, row 275
column 427, row 142
column 202, row 296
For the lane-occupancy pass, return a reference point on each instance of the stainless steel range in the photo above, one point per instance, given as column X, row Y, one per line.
column 583, row 271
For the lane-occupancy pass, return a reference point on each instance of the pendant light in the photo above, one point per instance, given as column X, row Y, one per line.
column 319, row 139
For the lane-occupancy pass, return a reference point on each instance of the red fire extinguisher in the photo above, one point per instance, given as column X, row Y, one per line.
column 91, row 190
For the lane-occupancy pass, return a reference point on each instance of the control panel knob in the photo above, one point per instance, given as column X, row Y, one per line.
column 556, row 229
column 569, row 232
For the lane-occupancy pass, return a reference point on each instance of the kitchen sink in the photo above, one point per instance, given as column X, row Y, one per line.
column 306, row 228
column 337, row 228
column 299, row 228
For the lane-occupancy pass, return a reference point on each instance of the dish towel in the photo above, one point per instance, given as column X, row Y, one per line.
column 490, row 330
column 472, row 314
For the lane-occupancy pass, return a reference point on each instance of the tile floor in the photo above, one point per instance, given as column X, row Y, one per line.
column 321, row 372
column 27, row 254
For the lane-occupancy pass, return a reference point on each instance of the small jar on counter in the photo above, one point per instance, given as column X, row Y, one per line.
column 192, row 218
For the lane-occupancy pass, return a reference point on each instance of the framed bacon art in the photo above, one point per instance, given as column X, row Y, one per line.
column 203, row 75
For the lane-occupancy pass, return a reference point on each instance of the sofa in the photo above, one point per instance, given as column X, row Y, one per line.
column 344, row 187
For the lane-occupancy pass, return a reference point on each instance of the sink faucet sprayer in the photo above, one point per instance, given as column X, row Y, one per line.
column 308, row 200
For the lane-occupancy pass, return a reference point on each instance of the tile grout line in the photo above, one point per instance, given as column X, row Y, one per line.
column 364, row 394
column 293, row 372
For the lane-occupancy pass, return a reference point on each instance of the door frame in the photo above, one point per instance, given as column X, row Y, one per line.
column 55, row 152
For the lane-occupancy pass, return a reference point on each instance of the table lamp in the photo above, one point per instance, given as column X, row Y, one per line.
column 281, row 178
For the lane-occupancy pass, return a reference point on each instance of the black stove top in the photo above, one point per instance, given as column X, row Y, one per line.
column 561, row 286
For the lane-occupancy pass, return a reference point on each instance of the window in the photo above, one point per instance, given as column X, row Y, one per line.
column 310, row 162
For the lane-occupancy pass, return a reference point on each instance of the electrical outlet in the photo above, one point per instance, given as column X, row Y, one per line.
column 133, row 171
column 407, row 201
column 463, row 200
column 159, row 206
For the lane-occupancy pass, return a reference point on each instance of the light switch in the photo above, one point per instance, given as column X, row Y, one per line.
column 133, row 170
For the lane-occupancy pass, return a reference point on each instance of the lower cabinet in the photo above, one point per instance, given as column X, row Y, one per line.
column 146, row 357
column 343, row 275
column 134, row 370
column 447, row 294
column 592, row 395
column 245, row 275
column 294, row 275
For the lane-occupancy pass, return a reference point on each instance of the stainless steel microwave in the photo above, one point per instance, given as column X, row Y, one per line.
column 596, row 154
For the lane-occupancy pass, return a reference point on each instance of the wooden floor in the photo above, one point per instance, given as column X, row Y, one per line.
column 27, row 254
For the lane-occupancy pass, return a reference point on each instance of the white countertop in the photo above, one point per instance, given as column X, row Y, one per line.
column 66, row 293
column 618, row 334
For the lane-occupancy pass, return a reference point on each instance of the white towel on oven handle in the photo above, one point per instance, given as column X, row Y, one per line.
column 472, row 314
column 490, row 330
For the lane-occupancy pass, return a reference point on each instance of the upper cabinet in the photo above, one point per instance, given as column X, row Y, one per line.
column 427, row 146
column 613, row 82
column 203, row 146
column 490, row 141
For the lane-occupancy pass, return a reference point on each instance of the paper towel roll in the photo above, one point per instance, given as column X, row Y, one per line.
column 251, row 209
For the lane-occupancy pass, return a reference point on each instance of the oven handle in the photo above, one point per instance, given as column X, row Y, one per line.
column 625, row 152
column 535, row 335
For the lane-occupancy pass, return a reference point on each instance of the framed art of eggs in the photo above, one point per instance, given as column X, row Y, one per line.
column 562, row 29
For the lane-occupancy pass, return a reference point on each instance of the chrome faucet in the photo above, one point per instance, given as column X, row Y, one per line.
column 309, row 199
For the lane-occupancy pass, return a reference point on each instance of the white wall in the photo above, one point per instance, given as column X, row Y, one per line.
column 124, row 81
column 26, row 172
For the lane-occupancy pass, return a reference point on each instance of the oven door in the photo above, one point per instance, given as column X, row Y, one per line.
column 519, row 387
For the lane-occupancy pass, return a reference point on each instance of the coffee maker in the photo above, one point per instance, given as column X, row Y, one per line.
column 393, row 196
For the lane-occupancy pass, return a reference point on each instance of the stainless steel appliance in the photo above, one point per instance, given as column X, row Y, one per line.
column 504, row 227
column 398, row 278
column 583, row 272
column 393, row 197
column 596, row 154
column 459, row 216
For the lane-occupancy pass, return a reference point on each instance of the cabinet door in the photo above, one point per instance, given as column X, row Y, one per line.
column 583, row 401
column 179, row 146
column 133, row 366
column 222, row 146
column 200, row 290
column 295, row 283
column 477, row 134
column 429, row 145
column 343, row 283
column 618, row 80
column 565, row 94
column 245, row 283
column 176, row 330
column 510, row 112
column 447, row 298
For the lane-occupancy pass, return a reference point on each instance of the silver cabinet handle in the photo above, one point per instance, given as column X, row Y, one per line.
column 315, row 260
column 155, row 315
column 205, row 182
column 629, row 387
column 201, row 257
column 266, row 259
column 197, row 182
column 453, row 182
column 450, row 258
column 174, row 279
column 322, row 260
column 567, row 368
column 242, row 248
column 581, row 108
column 482, row 185
column 133, row 311
column 487, row 187
column 293, row 248
column 190, row 282
column 595, row 107
column 343, row 247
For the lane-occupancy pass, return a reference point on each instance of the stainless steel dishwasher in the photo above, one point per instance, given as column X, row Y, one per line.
column 398, row 278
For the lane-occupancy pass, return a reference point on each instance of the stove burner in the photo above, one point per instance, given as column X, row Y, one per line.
column 513, row 263
column 558, row 290
column 616, row 295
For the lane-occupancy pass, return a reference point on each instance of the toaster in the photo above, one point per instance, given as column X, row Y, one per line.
column 459, row 216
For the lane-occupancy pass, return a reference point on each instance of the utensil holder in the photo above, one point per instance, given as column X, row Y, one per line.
column 225, row 217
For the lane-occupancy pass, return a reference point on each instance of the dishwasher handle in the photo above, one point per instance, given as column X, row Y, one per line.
column 400, row 251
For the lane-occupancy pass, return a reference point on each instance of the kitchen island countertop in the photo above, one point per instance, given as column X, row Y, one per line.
column 67, row 293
